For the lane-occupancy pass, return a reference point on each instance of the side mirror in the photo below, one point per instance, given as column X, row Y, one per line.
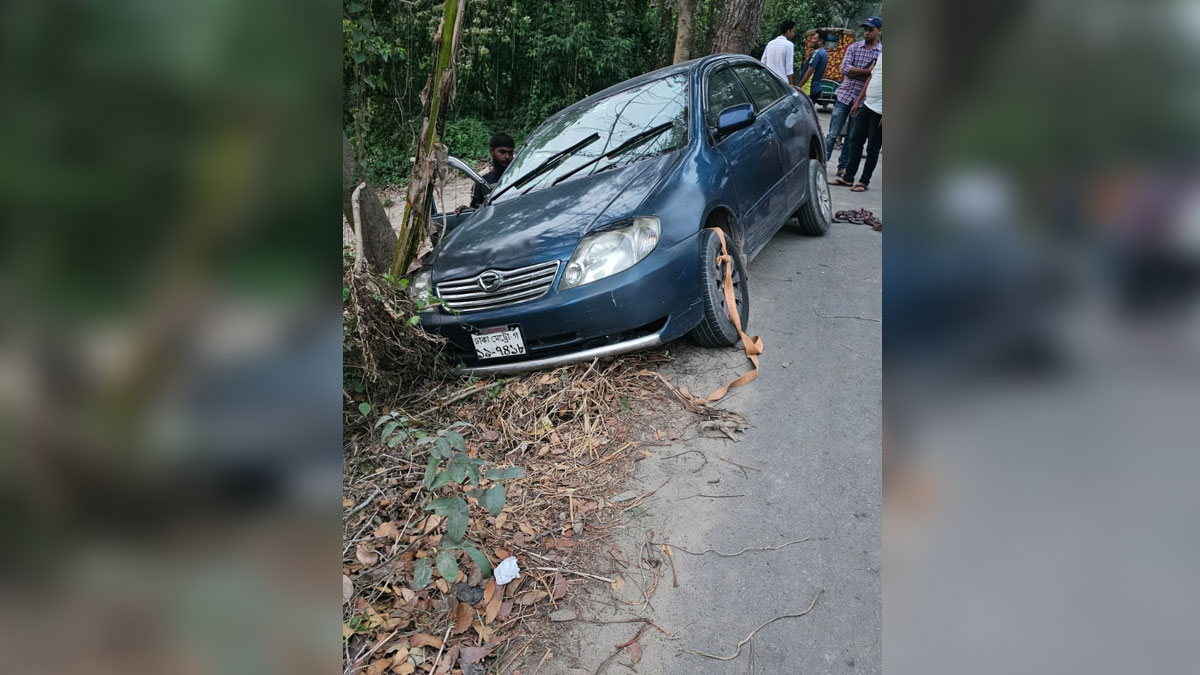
column 734, row 118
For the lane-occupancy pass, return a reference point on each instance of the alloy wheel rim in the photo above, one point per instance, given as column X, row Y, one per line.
column 824, row 199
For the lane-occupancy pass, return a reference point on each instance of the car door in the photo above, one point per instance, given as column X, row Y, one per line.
column 791, row 119
column 460, row 180
column 751, row 154
column 776, row 107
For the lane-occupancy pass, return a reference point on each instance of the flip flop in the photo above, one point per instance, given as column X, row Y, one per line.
column 840, row 181
column 858, row 188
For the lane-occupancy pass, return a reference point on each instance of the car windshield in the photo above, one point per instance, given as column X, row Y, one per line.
column 617, row 119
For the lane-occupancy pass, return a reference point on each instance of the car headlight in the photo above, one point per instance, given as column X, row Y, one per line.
column 421, row 289
column 605, row 253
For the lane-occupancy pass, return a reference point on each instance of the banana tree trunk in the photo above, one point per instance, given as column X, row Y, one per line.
column 414, row 226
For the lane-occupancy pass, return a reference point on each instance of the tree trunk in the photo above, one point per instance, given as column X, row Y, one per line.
column 414, row 226
column 378, row 238
column 737, row 25
column 683, row 32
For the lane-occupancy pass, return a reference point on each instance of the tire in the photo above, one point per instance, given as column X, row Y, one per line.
column 816, row 213
column 716, row 329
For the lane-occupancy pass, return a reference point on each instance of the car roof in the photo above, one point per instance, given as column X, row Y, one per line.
column 676, row 69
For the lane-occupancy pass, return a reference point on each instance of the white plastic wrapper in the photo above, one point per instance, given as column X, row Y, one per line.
column 506, row 571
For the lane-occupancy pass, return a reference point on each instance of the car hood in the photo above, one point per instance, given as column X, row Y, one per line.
column 546, row 224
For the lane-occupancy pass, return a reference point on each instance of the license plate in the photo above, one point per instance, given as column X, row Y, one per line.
column 492, row 343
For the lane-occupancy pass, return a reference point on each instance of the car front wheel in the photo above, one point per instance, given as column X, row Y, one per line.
column 716, row 329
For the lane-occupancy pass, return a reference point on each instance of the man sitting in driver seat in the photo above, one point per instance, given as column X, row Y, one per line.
column 501, row 149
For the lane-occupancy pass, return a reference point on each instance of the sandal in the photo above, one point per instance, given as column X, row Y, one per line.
column 840, row 181
column 861, row 187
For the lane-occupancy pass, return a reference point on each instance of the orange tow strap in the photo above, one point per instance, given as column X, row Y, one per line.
column 753, row 345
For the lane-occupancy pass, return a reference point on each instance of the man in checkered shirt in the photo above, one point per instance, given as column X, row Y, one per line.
column 856, row 67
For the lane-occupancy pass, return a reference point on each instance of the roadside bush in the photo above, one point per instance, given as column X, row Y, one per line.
column 467, row 138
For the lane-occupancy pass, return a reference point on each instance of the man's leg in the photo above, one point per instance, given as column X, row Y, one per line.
column 836, row 119
column 852, row 147
column 844, row 157
column 874, row 143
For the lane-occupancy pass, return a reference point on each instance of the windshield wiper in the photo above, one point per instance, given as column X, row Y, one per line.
column 635, row 140
column 551, row 162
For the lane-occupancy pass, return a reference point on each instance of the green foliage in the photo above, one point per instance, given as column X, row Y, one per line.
column 468, row 138
column 519, row 61
column 448, row 471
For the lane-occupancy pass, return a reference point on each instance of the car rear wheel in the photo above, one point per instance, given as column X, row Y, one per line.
column 716, row 329
column 817, row 212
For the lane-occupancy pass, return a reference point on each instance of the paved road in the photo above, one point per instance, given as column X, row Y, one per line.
column 815, row 412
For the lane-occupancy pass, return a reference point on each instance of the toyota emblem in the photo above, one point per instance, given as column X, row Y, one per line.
column 489, row 281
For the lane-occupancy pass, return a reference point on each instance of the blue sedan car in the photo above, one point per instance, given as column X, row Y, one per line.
column 596, row 241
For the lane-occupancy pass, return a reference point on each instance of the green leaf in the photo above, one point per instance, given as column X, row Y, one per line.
column 345, row 293
column 506, row 474
column 395, row 440
column 456, row 525
column 447, row 505
column 355, row 7
column 364, row 408
column 458, row 471
column 387, row 431
column 447, row 565
column 441, row 480
column 422, row 574
column 493, row 500
column 480, row 559
column 358, row 57
column 456, row 441
column 413, row 320
column 473, row 473
column 477, row 495
column 430, row 470
column 441, row 448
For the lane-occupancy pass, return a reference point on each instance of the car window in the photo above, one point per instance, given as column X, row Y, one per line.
column 616, row 119
column 723, row 92
column 762, row 87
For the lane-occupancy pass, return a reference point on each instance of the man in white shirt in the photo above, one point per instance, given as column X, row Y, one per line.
column 780, row 52
column 866, row 126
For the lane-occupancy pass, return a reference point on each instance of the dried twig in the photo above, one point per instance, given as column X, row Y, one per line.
column 680, row 454
column 671, row 557
column 748, row 548
column 749, row 637
column 709, row 496
column 743, row 467
column 443, row 646
column 860, row 318
column 581, row 574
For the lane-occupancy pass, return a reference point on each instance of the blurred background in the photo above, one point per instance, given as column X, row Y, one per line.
column 1042, row 336
column 169, row 336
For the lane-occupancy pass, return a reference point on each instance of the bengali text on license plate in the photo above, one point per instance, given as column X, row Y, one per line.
column 500, row 341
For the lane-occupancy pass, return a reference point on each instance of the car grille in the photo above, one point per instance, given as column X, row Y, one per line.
column 511, row 287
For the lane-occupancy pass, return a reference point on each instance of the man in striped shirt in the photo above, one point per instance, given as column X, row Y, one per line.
column 856, row 68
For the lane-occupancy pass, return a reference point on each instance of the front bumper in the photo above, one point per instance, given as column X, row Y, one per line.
column 652, row 340
column 653, row 302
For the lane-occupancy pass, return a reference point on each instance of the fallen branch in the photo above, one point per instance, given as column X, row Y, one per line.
column 748, row 548
column 749, row 637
